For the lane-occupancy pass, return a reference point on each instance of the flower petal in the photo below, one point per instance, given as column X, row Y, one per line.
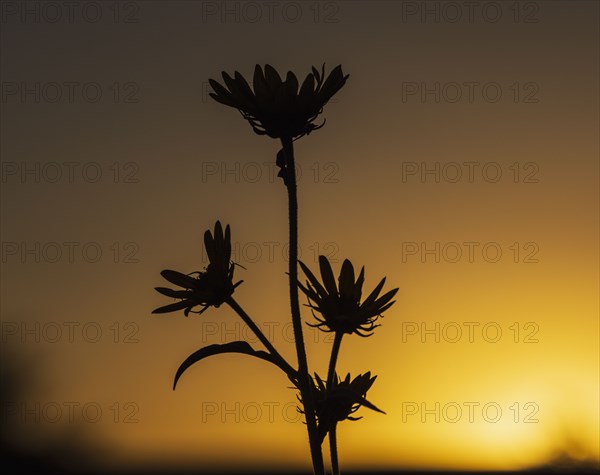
column 261, row 90
column 363, row 402
column 176, row 294
column 219, row 244
column 219, row 89
column 319, row 77
column 238, row 92
column 313, row 280
column 173, row 307
column 291, row 84
column 223, row 95
column 272, row 77
column 228, row 101
column 385, row 307
column 327, row 276
column 380, row 302
column 359, row 284
column 177, row 278
column 209, row 245
column 346, row 280
column 243, row 85
column 334, row 82
column 307, row 90
column 373, row 295
column 227, row 249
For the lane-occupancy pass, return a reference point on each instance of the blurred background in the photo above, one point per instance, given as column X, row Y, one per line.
column 460, row 160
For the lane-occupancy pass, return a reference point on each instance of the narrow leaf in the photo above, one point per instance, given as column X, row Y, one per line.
column 234, row 347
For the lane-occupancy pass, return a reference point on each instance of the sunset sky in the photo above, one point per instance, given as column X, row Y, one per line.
column 460, row 161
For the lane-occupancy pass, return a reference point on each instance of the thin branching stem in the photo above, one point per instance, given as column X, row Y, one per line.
column 335, row 467
column 261, row 336
column 335, row 350
column 304, row 382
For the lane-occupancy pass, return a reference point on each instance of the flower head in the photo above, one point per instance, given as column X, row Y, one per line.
column 210, row 287
column 338, row 402
column 340, row 310
column 276, row 107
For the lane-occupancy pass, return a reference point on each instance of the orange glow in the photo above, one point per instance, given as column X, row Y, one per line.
column 473, row 332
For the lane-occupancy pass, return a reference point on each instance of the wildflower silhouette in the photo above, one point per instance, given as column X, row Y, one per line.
column 213, row 286
column 284, row 110
column 336, row 403
column 342, row 313
column 341, row 310
column 276, row 108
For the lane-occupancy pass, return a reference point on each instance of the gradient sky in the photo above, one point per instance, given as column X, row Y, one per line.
column 140, row 172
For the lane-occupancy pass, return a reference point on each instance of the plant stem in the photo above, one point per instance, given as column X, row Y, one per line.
column 257, row 331
column 304, row 382
column 335, row 468
column 335, row 349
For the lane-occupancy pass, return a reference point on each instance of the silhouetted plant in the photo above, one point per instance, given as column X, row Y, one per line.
column 280, row 110
column 341, row 309
column 276, row 108
column 212, row 286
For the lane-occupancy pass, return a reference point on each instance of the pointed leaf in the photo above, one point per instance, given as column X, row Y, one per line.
column 234, row 347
